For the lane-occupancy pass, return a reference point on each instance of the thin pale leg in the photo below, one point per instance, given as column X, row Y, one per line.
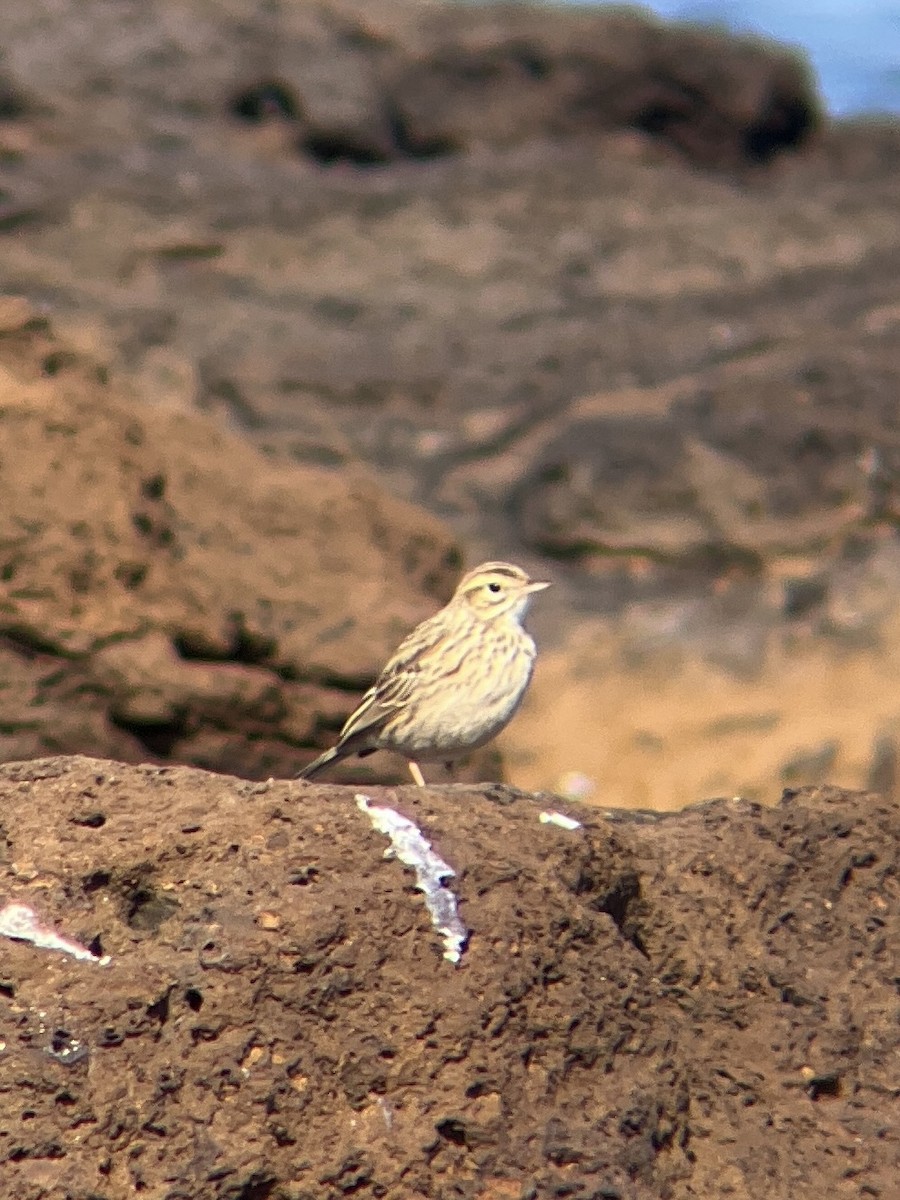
column 416, row 773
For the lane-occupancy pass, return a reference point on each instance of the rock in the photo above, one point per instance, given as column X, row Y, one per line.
column 508, row 74
column 591, row 287
column 644, row 1007
column 516, row 390
column 733, row 477
column 884, row 769
column 804, row 596
column 811, row 763
column 384, row 82
column 168, row 592
column 511, row 297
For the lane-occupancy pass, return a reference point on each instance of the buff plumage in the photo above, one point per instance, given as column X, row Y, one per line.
column 454, row 682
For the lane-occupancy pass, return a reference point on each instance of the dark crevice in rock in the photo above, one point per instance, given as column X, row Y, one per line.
column 145, row 908
column 13, row 102
column 246, row 646
column 585, row 874
column 29, row 643
column 329, row 147
column 158, row 738
column 411, row 145
column 619, row 902
column 785, row 125
column 264, row 101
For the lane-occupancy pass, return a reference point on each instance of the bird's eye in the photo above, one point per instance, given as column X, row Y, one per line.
column 495, row 588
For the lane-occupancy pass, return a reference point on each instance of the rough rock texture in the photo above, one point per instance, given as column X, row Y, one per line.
column 167, row 590
column 690, row 1006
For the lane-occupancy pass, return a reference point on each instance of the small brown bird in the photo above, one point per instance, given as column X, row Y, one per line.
column 454, row 682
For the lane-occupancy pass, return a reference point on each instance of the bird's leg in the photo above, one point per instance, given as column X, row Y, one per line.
column 416, row 773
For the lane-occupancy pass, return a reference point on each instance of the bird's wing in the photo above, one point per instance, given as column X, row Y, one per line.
column 398, row 680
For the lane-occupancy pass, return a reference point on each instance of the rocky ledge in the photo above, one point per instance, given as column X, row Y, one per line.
column 695, row 1004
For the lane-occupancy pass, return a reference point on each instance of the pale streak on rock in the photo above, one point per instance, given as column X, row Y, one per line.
column 560, row 819
column 412, row 848
column 20, row 922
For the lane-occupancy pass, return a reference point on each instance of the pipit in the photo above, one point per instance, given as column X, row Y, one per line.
column 454, row 682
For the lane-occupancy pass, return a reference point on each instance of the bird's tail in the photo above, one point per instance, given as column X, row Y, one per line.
column 319, row 764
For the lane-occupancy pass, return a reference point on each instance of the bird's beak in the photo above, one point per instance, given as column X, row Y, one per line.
column 537, row 585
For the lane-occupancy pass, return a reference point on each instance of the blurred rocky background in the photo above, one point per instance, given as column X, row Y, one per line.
column 308, row 305
column 302, row 308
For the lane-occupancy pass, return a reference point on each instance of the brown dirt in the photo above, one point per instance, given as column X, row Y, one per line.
column 695, row 1005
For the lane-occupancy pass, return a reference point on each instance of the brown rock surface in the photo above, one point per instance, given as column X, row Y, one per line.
column 167, row 590
column 696, row 1005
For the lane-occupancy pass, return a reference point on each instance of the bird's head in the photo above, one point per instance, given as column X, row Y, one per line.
column 497, row 589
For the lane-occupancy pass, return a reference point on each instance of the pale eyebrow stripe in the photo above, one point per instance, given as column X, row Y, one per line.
column 499, row 569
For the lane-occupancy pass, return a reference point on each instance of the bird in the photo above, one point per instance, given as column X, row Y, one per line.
column 454, row 682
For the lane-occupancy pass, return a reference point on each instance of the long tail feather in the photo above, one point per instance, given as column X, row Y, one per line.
column 319, row 764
